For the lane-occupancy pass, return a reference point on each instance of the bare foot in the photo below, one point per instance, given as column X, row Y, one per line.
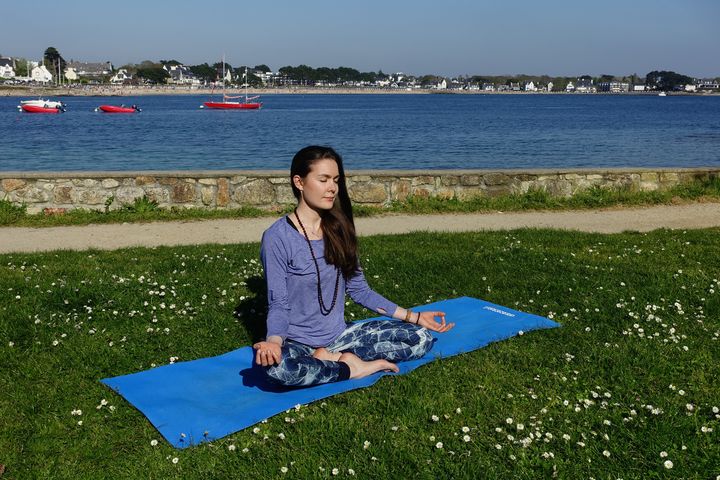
column 323, row 353
column 360, row 368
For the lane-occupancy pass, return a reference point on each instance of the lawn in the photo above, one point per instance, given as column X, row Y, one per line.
column 629, row 387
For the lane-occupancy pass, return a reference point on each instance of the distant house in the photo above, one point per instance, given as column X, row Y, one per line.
column 530, row 87
column 181, row 75
column 455, row 84
column 76, row 70
column 488, row 87
column 708, row 85
column 41, row 74
column 121, row 76
column 570, row 87
column 638, row 88
column 267, row 77
column 7, row 67
column 442, row 85
column 515, row 87
column 585, row 85
column 613, row 87
column 550, row 86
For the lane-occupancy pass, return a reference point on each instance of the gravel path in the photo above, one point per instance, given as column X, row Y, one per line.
column 112, row 236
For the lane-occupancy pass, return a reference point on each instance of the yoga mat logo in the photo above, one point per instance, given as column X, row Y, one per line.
column 501, row 312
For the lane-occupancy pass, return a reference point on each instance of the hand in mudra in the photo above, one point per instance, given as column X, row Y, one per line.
column 427, row 320
column 267, row 353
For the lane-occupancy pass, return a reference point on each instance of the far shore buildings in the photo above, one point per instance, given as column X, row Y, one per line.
column 40, row 74
column 75, row 71
column 613, row 87
column 121, row 76
column 181, row 75
column 7, row 67
column 103, row 72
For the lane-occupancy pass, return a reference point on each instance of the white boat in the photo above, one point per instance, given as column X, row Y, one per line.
column 662, row 94
column 41, row 103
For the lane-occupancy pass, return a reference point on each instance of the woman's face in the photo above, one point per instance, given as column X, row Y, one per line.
column 320, row 186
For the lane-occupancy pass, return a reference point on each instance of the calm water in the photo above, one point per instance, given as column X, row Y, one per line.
column 371, row 131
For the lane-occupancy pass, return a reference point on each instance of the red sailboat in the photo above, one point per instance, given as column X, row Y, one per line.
column 247, row 104
column 118, row 109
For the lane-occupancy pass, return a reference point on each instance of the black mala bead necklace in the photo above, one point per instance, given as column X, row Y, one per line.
column 323, row 309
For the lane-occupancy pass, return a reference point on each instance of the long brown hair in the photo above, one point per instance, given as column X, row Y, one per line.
column 337, row 223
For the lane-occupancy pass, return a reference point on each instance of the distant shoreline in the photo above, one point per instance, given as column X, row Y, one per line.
column 132, row 91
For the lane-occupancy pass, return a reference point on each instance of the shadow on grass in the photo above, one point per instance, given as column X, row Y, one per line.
column 252, row 310
column 252, row 313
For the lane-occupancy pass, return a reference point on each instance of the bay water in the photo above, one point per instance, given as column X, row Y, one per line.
column 419, row 132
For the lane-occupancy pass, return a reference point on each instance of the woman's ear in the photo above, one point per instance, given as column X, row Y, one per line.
column 297, row 181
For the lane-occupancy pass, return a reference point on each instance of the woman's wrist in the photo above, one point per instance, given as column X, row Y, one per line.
column 411, row 317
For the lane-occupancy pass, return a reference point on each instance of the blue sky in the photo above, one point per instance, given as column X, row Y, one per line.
column 451, row 37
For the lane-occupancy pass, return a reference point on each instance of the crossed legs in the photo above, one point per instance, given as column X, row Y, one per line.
column 364, row 348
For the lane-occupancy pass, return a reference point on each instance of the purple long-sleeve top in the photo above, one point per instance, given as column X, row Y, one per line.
column 293, row 307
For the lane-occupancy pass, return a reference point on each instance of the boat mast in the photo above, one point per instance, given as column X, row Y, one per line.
column 223, row 76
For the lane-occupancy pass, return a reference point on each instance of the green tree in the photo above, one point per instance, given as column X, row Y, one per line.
column 218, row 66
column 204, row 72
column 262, row 68
column 666, row 80
column 152, row 72
column 54, row 61
column 253, row 80
column 426, row 80
column 52, row 56
column 22, row 67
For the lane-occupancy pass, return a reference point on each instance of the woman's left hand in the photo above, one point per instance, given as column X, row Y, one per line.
column 427, row 320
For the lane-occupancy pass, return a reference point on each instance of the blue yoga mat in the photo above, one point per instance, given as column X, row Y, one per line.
column 209, row 398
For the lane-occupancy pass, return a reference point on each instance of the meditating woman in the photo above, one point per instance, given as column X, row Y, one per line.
column 310, row 259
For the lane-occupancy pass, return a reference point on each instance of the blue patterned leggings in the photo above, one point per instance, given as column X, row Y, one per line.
column 377, row 339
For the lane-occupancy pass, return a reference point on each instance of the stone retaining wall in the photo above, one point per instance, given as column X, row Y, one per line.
column 270, row 189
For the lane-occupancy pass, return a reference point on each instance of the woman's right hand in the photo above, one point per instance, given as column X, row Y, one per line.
column 267, row 353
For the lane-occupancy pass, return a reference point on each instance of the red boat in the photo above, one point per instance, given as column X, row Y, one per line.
column 234, row 105
column 242, row 105
column 119, row 109
column 37, row 109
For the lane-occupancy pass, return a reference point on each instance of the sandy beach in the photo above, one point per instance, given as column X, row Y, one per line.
column 132, row 91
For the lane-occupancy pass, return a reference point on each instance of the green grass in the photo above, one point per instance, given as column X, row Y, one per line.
column 68, row 319
column 142, row 210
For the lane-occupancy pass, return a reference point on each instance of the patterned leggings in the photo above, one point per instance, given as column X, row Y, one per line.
column 377, row 339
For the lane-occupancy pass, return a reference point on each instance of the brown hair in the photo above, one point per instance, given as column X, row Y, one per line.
column 337, row 223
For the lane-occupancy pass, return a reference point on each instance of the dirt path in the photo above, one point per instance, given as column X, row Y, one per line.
column 109, row 237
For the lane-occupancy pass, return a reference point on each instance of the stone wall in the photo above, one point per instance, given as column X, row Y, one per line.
column 270, row 189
